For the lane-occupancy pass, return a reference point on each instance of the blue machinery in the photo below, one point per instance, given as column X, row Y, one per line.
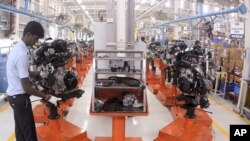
column 241, row 8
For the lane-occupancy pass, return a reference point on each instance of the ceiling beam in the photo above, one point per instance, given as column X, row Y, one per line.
column 93, row 3
column 150, row 10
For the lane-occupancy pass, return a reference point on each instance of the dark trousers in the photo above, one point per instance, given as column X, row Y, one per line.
column 24, row 120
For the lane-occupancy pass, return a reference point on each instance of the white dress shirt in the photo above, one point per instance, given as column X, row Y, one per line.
column 17, row 68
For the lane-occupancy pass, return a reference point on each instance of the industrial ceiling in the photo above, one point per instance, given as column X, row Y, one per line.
column 159, row 9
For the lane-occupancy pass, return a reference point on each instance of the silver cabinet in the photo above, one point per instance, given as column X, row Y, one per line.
column 118, row 82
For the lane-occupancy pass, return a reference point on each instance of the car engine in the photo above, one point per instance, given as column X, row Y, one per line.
column 50, row 59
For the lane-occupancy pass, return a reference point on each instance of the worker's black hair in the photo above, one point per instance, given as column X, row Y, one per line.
column 197, row 42
column 35, row 28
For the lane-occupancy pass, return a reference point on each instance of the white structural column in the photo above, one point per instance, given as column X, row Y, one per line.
column 130, row 23
column 121, row 34
column 111, row 24
column 176, row 11
column 246, row 67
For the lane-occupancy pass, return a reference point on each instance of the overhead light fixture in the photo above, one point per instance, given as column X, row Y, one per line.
column 152, row 2
column 83, row 7
column 167, row 4
column 87, row 12
column 79, row 1
column 143, row 1
column 137, row 7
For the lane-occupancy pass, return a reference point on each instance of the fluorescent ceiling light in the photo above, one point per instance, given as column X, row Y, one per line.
column 167, row 4
column 137, row 7
column 87, row 12
column 143, row 1
column 152, row 2
column 83, row 7
column 79, row 1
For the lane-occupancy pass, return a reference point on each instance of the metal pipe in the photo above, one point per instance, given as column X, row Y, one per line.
column 26, row 5
column 205, row 15
column 200, row 7
column 227, row 11
column 15, row 10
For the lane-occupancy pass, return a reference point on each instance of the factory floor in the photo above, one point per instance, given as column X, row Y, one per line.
column 146, row 127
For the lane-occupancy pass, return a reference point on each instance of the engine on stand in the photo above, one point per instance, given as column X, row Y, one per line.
column 186, row 71
column 195, row 55
column 192, row 83
column 50, row 59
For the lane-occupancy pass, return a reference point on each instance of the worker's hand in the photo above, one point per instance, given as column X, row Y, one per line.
column 44, row 74
column 53, row 100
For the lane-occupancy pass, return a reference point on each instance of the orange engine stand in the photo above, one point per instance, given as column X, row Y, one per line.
column 166, row 95
column 68, row 102
column 202, row 117
column 41, row 112
column 58, row 129
column 184, row 129
column 70, row 63
column 153, row 80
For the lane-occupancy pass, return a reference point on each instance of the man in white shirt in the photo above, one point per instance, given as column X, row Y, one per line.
column 19, row 87
column 142, row 45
